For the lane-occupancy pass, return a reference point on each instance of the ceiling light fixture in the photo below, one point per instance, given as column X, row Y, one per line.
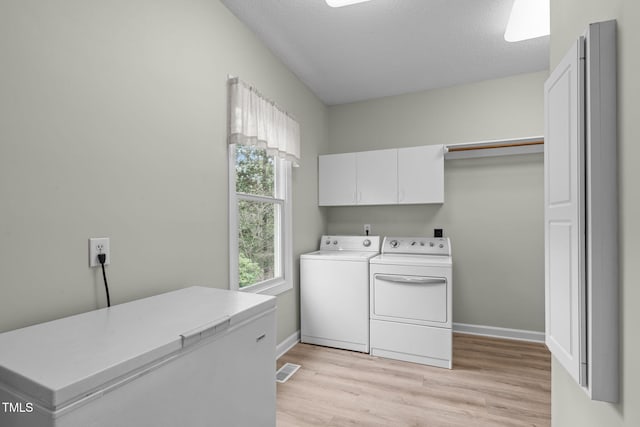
column 529, row 19
column 340, row 3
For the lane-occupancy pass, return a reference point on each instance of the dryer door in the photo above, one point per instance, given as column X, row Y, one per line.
column 410, row 299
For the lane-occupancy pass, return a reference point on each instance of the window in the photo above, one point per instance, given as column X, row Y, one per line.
column 260, row 220
column 264, row 142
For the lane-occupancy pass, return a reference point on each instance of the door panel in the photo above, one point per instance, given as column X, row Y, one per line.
column 559, row 164
column 560, row 301
column 564, row 213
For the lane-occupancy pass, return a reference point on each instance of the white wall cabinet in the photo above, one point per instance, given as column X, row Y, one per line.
column 421, row 174
column 377, row 177
column 382, row 177
column 581, row 271
column 337, row 173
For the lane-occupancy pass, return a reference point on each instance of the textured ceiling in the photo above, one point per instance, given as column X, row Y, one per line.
column 389, row 47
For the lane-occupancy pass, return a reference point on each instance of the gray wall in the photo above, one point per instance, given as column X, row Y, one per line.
column 493, row 210
column 113, row 123
column 569, row 18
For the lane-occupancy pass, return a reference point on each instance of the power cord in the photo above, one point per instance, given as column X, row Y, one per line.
column 101, row 259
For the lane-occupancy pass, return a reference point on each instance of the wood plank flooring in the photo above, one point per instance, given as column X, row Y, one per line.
column 493, row 382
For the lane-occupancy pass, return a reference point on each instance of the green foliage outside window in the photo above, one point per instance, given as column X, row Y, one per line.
column 254, row 171
column 249, row 271
column 255, row 175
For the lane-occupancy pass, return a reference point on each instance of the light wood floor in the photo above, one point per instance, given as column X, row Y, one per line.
column 493, row 382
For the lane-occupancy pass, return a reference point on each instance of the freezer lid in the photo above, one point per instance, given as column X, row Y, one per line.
column 61, row 361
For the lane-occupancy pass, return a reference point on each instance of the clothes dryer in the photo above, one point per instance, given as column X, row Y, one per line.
column 411, row 301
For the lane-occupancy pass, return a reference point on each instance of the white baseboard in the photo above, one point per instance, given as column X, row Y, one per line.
column 496, row 332
column 287, row 344
column 487, row 331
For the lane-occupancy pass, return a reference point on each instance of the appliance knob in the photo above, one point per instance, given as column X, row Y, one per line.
column 413, row 243
column 328, row 242
column 431, row 244
column 441, row 246
column 335, row 242
column 394, row 243
column 366, row 243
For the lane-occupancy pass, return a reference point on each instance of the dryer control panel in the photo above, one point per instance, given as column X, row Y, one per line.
column 416, row 245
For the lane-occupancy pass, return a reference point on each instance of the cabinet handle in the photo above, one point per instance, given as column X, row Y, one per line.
column 261, row 337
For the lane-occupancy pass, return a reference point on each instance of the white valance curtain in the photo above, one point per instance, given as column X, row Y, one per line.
column 255, row 120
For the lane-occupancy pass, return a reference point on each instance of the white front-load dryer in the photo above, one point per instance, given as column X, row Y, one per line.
column 411, row 301
column 334, row 292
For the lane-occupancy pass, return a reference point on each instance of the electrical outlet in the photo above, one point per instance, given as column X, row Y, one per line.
column 99, row 245
column 367, row 229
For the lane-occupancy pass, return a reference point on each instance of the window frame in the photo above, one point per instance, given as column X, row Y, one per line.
column 276, row 285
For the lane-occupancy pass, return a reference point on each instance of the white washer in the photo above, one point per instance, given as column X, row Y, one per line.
column 334, row 292
column 410, row 304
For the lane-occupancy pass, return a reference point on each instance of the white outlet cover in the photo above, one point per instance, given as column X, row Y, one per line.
column 99, row 245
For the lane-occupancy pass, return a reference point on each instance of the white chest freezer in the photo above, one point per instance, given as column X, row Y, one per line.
column 193, row 357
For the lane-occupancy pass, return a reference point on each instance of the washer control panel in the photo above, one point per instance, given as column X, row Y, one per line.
column 350, row 243
column 416, row 245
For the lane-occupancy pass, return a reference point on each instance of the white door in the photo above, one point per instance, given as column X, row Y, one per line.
column 337, row 179
column 421, row 174
column 377, row 173
column 564, row 213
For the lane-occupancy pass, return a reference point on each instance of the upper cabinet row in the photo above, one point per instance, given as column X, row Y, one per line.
column 382, row 177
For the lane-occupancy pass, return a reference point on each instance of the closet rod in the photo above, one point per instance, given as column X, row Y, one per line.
column 488, row 146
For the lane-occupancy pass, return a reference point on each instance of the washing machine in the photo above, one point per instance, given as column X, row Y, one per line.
column 334, row 292
column 411, row 301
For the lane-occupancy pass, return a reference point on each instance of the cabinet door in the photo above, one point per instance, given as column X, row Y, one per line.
column 377, row 177
column 337, row 179
column 421, row 174
column 564, row 213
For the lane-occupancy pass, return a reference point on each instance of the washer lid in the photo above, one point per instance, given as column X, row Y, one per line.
column 59, row 362
column 339, row 255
